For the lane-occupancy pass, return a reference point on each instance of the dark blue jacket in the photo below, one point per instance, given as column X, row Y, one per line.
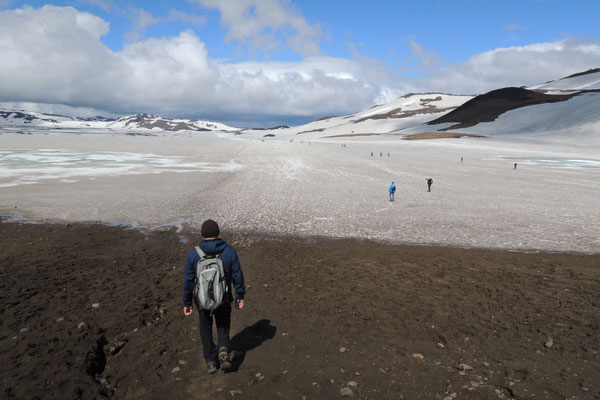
column 231, row 265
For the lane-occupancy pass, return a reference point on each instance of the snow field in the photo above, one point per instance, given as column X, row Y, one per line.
column 293, row 188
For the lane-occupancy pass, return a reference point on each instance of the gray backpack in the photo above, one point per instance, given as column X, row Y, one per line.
column 211, row 287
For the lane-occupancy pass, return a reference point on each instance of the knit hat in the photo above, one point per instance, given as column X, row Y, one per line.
column 209, row 229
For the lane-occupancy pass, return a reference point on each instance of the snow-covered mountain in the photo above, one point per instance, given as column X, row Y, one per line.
column 407, row 111
column 568, row 108
column 138, row 122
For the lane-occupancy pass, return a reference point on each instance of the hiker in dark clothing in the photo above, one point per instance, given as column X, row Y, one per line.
column 429, row 183
column 515, row 167
column 212, row 245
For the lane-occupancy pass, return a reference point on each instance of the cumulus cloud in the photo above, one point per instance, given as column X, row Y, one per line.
column 54, row 55
column 267, row 24
column 516, row 66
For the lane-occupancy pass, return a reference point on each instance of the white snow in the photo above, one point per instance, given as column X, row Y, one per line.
column 280, row 187
column 582, row 82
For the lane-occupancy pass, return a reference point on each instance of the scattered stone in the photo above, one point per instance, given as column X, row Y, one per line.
column 486, row 364
column 182, row 362
column 418, row 355
column 452, row 396
column 382, row 370
column 95, row 305
column 259, row 376
column 61, row 319
column 352, row 384
column 441, row 346
column 346, row 392
column 464, row 367
column 314, row 383
column 175, row 370
column 474, row 384
column 342, row 349
column 81, row 325
column 24, row 330
column 549, row 343
column 284, row 334
column 234, row 392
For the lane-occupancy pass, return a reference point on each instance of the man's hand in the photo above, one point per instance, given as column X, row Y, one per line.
column 239, row 304
column 187, row 311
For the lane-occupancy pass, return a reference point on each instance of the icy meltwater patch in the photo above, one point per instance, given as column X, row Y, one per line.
column 557, row 162
column 22, row 167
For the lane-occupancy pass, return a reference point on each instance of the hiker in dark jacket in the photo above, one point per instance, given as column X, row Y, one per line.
column 429, row 183
column 222, row 315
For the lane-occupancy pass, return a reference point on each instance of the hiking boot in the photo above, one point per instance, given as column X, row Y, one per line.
column 211, row 367
column 224, row 359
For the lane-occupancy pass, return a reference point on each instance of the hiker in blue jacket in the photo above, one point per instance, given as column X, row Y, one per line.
column 392, row 191
column 222, row 315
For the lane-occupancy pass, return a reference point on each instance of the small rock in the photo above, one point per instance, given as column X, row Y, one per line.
column 182, row 362
column 24, row 330
column 352, row 384
column 175, row 370
column 234, row 392
column 346, row 392
column 464, row 367
column 342, row 349
column 314, row 383
column 486, row 364
column 81, row 325
column 61, row 319
column 441, row 346
column 259, row 376
column 95, row 305
column 549, row 343
column 418, row 355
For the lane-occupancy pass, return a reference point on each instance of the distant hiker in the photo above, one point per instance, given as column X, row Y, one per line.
column 461, row 159
column 381, row 154
column 429, row 183
column 371, row 154
column 392, row 191
column 388, row 154
column 515, row 167
column 210, row 269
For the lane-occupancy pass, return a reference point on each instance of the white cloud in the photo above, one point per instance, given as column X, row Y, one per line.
column 176, row 15
column 267, row 24
column 54, row 55
column 427, row 58
column 141, row 21
column 516, row 66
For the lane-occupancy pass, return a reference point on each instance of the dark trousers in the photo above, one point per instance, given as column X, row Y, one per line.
column 222, row 317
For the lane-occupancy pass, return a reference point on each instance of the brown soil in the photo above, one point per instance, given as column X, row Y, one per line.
column 385, row 321
column 439, row 135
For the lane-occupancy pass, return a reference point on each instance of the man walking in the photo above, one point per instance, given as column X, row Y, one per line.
column 212, row 247
column 429, row 183
column 392, row 191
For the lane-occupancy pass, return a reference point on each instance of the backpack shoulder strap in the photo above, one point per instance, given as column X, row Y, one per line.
column 200, row 252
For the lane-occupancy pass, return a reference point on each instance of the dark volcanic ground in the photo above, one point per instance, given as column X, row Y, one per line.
column 90, row 311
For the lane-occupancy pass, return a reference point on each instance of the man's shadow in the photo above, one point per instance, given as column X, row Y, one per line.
column 250, row 338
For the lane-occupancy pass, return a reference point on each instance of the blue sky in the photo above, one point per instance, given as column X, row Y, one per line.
column 279, row 52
